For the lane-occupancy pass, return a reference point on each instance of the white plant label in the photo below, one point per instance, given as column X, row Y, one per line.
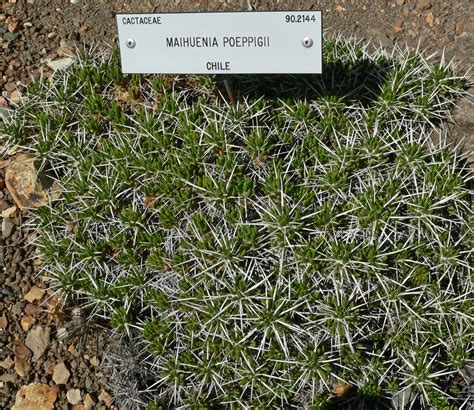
column 221, row 43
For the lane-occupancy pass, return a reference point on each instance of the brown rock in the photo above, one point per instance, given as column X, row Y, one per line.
column 9, row 212
column 22, row 352
column 56, row 308
column 72, row 349
column 35, row 293
column 7, row 363
column 124, row 97
column 32, row 310
column 89, row 402
column 37, row 340
column 21, row 366
column 11, row 86
column 35, row 396
column 398, row 26
column 22, row 182
column 78, row 407
column 4, row 163
column 342, row 389
column 94, row 361
column 422, row 5
column 3, row 322
column 48, row 367
column 12, row 24
column 106, row 398
column 15, row 97
column 37, row 262
column 400, row 2
column 430, row 19
column 26, row 322
column 60, row 374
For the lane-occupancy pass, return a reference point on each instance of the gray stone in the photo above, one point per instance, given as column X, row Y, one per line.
column 17, row 308
column 89, row 383
column 74, row 396
column 60, row 374
column 10, row 37
column 7, row 227
column 7, row 378
column 37, row 340
column 60, row 64
column 383, row 39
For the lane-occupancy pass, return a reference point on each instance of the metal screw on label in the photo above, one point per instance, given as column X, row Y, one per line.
column 131, row 43
column 308, row 42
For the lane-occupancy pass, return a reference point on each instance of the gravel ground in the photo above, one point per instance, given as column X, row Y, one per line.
column 34, row 33
column 40, row 339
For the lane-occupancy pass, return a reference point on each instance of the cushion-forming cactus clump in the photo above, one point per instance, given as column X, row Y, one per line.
column 310, row 246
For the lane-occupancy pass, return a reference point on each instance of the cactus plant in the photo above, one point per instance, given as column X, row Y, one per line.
column 313, row 236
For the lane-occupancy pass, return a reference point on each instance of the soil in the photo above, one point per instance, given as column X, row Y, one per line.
column 35, row 32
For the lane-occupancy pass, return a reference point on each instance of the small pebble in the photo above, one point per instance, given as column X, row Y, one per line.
column 73, row 396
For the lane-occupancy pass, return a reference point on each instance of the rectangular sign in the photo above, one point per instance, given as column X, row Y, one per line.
column 221, row 42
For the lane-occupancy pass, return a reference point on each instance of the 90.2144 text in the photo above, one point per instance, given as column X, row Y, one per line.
column 300, row 18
